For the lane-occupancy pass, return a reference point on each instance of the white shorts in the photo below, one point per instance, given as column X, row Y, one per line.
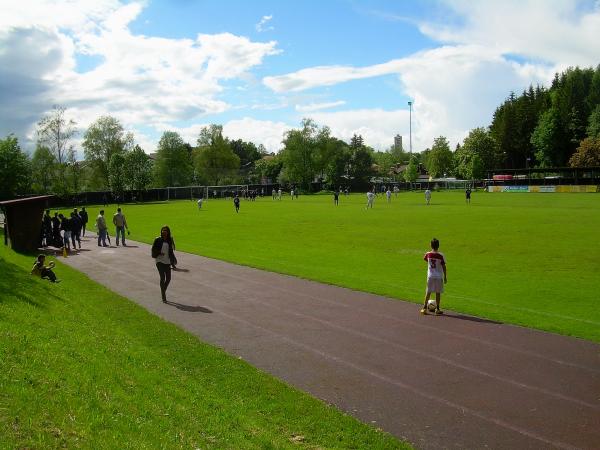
column 435, row 285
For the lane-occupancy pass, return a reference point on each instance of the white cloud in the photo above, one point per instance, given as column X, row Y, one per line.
column 260, row 26
column 318, row 106
column 558, row 32
column 377, row 126
column 265, row 132
column 139, row 79
column 457, row 86
column 328, row 76
column 454, row 88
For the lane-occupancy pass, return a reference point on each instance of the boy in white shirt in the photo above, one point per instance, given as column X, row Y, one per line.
column 436, row 276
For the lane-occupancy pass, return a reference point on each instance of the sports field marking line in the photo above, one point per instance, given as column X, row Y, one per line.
column 416, row 391
column 471, row 299
column 228, row 292
column 369, row 372
column 484, row 302
column 406, row 322
column 233, row 296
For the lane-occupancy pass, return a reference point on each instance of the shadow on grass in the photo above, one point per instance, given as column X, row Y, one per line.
column 189, row 308
column 470, row 318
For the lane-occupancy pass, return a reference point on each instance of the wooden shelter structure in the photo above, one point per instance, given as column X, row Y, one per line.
column 23, row 222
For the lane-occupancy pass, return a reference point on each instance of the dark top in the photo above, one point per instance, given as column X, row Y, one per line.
column 157, row 247
column 76, row 224
column 84, row 216
column 66, row 225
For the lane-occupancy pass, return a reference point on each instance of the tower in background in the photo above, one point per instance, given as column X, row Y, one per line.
column 398, row 142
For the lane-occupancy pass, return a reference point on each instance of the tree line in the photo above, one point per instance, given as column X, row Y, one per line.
column 542, row 127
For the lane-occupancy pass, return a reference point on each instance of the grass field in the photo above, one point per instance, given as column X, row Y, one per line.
column 528, row 259
column 81, row 367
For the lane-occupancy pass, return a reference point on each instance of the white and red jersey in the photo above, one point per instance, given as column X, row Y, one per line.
column 435, row 264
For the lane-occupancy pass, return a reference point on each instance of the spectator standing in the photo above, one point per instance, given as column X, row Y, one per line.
column 101, row 226
column 120, row 225
column 75, row 228
column 46, row 229
column 65, row 226
column 84, row 219
column 56, row 238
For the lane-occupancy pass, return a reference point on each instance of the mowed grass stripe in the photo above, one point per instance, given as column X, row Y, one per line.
column 527, row 259
column 82, row 367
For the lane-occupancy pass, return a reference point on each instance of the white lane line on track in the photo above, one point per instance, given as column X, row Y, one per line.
column 228, row 293
column 367, row 371
column 405, row 322
column 403, row 347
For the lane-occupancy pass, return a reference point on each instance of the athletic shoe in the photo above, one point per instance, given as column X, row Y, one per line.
column 439, row 312
column 424, row 311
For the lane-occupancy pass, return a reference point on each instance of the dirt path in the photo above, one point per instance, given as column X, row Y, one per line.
column 440, row 382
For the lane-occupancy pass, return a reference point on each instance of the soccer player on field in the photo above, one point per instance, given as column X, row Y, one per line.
column 427, row 196
column 236, row 203
column 370, row 198
column 436, row 276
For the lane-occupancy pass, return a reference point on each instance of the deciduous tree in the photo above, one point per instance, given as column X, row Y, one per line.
column 55, row 132
column 104, row 138
column 214, row 160
column 173, row 166
column 43, row 170
column 588, row 154
column 14, row 168
column 440, row 159
column 138, row 169
column 299, row 153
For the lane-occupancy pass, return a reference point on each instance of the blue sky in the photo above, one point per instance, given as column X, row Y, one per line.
column 259, row 67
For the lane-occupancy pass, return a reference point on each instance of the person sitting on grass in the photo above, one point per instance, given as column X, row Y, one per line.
column 43, row 271
column 436, row 276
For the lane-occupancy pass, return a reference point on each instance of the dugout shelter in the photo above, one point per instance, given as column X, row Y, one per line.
column 23, row 222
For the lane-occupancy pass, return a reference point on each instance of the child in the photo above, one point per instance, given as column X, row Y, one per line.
column 43, row 271
column 436, row 272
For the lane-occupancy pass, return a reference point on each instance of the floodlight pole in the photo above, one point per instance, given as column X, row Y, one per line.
column 410, row 125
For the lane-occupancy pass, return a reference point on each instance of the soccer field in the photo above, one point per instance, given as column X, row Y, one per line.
column 529, row 259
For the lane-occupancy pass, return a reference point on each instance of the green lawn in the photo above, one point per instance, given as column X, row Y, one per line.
column 81, row 367
column 528, row 259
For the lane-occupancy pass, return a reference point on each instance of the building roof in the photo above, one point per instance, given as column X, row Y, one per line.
column 17, row 201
